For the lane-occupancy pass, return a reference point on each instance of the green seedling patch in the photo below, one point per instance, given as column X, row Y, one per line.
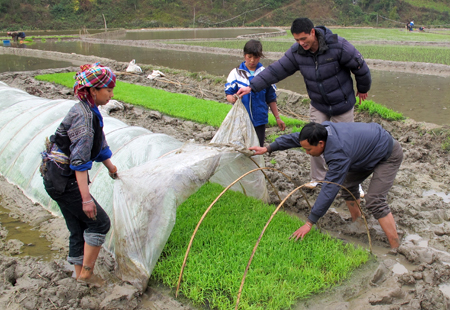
column 282, row 271
column 409, row 53
column 375, row 108
column 177, row 105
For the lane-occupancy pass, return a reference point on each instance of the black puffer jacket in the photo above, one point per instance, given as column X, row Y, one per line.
column 326, row 73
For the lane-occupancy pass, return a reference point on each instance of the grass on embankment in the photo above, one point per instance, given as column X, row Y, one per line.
column 375, row 108
column 199, row 110
column 282, row 271
column 384, row 34
column 429, row 54
column 177, row 105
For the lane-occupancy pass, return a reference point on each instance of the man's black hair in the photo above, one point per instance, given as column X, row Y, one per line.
column 313, row 133
column 302, row 24
column 253, row 47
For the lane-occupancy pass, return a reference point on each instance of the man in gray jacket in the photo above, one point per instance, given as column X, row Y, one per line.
column 325, row 61
column 352, row 151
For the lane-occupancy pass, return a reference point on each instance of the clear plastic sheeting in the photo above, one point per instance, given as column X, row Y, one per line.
column 156, row 172
column 147, row 196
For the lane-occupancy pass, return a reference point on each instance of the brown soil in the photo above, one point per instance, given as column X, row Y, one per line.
column 412, row 278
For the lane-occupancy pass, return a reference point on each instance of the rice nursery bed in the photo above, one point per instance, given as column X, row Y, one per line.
column 381, row 34
column 375, row 108
column 177, row 105
column 282, row 271
column 429, row 54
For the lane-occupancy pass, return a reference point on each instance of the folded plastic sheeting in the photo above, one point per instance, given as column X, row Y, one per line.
column 156, row 172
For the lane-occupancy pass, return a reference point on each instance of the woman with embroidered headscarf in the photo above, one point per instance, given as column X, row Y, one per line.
column 78, row 141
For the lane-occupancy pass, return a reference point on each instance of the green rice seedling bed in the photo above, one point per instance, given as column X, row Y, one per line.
column 436, row 55
column 372, row 108
column 429, row 54
column 381, row 34
column 282, row 271
column 177, row 105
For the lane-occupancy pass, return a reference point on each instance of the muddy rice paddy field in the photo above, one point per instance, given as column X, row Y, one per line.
column 416, row 276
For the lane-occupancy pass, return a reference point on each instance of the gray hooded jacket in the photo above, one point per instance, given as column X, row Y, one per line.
column 349, row 147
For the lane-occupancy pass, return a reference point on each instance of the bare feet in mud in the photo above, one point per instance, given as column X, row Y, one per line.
column 93, row 280
column 358, row 226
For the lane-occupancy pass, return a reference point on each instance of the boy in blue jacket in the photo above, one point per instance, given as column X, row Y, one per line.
column 256, row 103
column 352, row 151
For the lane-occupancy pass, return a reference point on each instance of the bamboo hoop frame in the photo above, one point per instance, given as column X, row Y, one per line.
column 265, row 227
column 273, row 186
column 270, row 219
column 206, row 212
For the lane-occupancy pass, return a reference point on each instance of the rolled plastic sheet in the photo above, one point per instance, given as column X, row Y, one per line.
column 156, row 173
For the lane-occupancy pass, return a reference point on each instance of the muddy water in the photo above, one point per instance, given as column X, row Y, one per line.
column 190, row 33
column 23, row 63
column 420, row 97
column 57, row 32
column 34, row 244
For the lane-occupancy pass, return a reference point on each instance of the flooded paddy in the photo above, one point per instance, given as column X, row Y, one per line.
column 417, row 96
column 146, row 34
column 30, row 33
column 24, row 63
column 380, row 284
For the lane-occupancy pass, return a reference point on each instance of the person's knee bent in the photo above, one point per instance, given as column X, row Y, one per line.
column 377, row 205
column 94, row 239
column 101, row 227
column 354, row 190
column 95, row 235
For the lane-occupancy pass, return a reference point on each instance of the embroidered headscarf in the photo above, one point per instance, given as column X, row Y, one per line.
column 94, row 75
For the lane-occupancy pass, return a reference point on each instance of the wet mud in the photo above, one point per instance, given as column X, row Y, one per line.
column 416, row 276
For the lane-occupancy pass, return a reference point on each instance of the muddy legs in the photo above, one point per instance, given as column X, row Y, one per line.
column 77, row 270
column 388, row 225
column 354, row 209
column 87, row 270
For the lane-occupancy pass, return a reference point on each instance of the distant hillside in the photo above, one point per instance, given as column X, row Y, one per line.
column 76, row 14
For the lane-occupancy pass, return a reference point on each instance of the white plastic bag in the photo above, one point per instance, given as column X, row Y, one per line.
column 155, row 74
column 237, row 130
column 112, row 105
column 133, row 67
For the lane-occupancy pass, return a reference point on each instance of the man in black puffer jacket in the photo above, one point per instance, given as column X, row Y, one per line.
column 325, row 60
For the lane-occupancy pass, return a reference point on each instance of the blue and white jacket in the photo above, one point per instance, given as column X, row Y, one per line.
column 255, row 103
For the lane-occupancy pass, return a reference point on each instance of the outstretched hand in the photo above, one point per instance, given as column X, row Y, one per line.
column 258, row 150
column 362, row 96
column 244, row 91
column 301, row 232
